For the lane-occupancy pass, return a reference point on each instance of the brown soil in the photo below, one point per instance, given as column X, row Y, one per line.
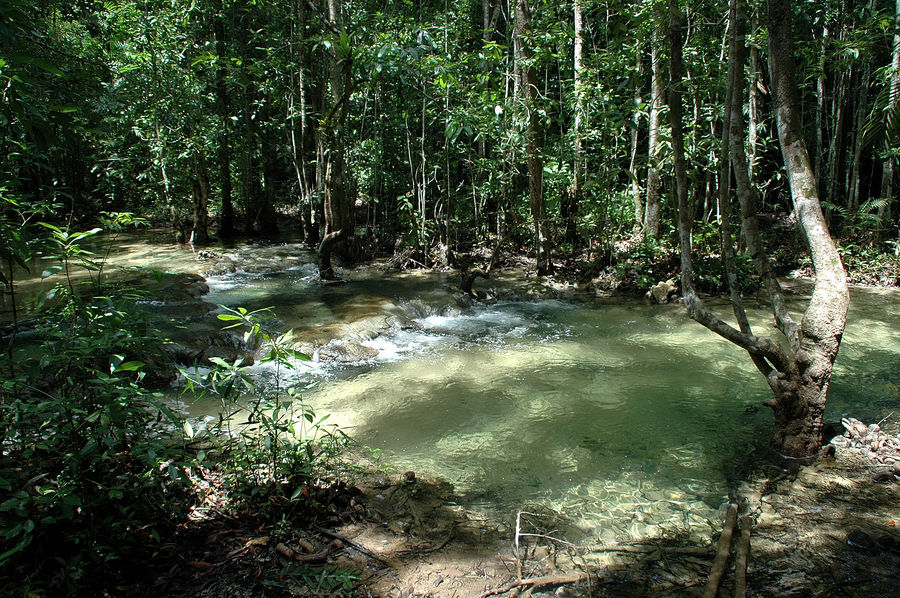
column 826, row 528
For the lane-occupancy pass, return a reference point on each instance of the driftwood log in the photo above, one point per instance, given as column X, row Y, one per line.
column 742, row 557
column 718, row 566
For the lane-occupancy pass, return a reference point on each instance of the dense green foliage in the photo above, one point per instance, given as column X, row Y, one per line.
column 97, row 472
column 223, row 109
column 225, row 117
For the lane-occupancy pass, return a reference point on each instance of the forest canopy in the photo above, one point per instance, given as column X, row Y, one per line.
column 432, row 126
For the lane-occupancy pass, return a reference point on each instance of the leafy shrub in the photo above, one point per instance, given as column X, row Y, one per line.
column 282, row 445
column 89, row 478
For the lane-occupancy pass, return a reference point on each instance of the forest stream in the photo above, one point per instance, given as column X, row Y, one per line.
column 621, row 419
column 627, row 417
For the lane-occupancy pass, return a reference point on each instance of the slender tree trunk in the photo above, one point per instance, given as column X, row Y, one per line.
column 226, row 224
column 862, row 109
column 654, row 147
column 533, row 135
column 887, row 172
column 637, row 200
column 338, row 205
column 571, row 203
column 267, row 218
column 200, row 192
column 821, row 91
column 753, row 105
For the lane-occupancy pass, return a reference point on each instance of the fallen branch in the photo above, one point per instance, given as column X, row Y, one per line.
column 537, row 582
column 692, row 550
column 350, row 542
column 743, row 555
column 298, row 556
column 718, row 566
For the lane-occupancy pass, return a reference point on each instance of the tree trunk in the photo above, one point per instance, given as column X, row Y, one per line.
column 571, row 203
column 200, row 192
column 267, row 218
column 753, row 103
column 800, row 394
column 887, row 173
column 798, row 375
column 654, row 179
column 636, row 198
column 533, row 146
column 226, row 223
column 338, row 206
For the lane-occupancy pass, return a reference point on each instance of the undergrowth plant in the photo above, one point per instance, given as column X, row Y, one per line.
column 89, row 479
column 268, row 440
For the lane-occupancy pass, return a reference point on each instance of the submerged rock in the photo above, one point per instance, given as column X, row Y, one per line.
column 222, row 344
column 344, row 351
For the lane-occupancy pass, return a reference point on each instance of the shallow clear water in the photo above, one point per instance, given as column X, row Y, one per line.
column 624, row 418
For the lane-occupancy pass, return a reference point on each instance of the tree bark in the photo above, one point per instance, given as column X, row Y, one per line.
column 226, row 223
column 799, row 400
column 887, row 172
column 200, row 192
column 533, row 134
column 338, row 205
column 654, row 179
column 798, row 375
column 570, row 204
column 637, row 200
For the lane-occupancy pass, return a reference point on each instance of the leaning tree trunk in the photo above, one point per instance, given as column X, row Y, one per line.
column 799, row 401
column 798, row 374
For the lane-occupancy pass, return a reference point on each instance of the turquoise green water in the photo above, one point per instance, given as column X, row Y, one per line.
column 623, row 418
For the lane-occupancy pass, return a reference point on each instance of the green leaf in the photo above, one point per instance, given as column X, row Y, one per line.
column 51, row 271
column 40, row 63
column 299, row 355
column 129, row 366
column 229, row 317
